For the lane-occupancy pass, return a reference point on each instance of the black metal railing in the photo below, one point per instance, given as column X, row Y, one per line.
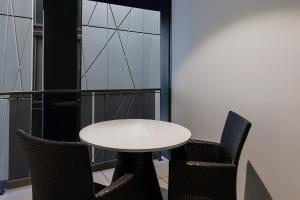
column 25, row 110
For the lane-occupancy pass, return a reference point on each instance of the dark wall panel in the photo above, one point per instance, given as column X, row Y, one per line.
column 148, row 106
column 112, row 104
column 124, row 107
column 86, row 110
column 100, row 104
column 121, row 106
column 19, row 118
column 135, row 108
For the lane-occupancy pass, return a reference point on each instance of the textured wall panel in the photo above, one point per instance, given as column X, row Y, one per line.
column 121, row 47
column 20, row 118
column 15, row 45
column 4, row 139
column 21, row 8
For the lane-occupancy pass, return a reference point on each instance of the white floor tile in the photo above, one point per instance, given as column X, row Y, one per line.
column 100, row 178
column 162, row 184
column 109, row 174
column 166, row 179
column 162, row 168
column 164, row 193
column 24, row 193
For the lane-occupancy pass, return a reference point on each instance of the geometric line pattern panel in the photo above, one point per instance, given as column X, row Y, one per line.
column 120, row 47
column 15, row 65
column 20, row 8
column 15, row 45
column 103, row 107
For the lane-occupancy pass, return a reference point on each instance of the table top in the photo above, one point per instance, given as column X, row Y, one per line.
column 135, row 135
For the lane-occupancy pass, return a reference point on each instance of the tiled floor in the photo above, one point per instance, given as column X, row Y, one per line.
column 102, row 177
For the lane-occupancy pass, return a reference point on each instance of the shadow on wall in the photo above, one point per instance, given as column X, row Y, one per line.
column 255, row 188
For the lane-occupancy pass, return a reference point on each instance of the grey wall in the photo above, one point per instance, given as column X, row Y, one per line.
column 109, row 56
column 242, row 55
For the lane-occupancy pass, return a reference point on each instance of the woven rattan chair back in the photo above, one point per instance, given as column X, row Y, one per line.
column 58, row 170
column 235, row 132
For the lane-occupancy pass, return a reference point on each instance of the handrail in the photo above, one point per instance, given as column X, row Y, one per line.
column 117, row 91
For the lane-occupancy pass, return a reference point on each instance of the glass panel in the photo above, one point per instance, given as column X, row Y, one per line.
column 15, row 75
column 9, row 65
column 116, row 14
column 121, row 50
column 121, row 47
column 93, row 54
column 22, row 8
column 15, row 45
column 94, row 13
column 16, row 52
column 4, row 7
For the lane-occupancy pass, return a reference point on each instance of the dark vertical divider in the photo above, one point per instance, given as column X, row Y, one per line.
column 61, row 113
column 61, row 117
column 60, row 45
column 165, row 57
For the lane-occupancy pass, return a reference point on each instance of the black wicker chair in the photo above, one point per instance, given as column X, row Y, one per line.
column 62, row 171
column 206, row 170
column 190, row 197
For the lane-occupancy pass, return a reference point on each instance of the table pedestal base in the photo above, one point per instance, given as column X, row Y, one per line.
column 141, row 165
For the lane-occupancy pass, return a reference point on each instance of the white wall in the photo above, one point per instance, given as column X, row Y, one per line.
column 242, row 55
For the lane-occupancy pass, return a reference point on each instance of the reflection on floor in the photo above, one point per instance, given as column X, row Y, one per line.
column 102, row 177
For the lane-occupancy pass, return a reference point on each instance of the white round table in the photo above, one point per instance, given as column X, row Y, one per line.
column 135, row 140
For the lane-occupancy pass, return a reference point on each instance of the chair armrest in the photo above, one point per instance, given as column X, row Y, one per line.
column 122, row 188
column 98, row 187
column 197, row 150
column 202, row 179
